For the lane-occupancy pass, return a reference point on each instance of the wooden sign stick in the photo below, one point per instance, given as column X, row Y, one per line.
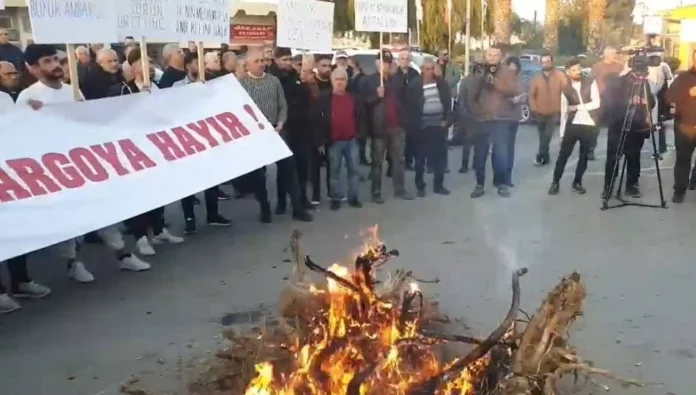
column 72, row 66
column 201, row 62
column 145, row 61
column 381, row 59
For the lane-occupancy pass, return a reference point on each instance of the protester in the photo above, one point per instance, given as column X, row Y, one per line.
column 432, row 99
column 65, row 65
column 125, row 66
column 297, row 63
column 513, row 63
column 102, row 76
column 83, row 56
column 490, row 106
column 298, row 134
column 387, row 117
column 21, row 286
column 9, row 82
column 190, row 68
column 267, row 92
column 268, row 57
column 212, row 65
column 174, row 60
column 338, row 125
column 405, row 74
column 137, row 83
column 580, row 115
column 605, row 69
column 9, row 52
column 341, row 58
column 49, row 89
column 322, row 83
column 241, row 67
column 682, row 94
column 465, row 123
column 545, row 103
column 449, row 71
column 229, row 62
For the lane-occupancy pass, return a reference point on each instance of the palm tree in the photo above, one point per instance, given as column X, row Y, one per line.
column 502, row 21
column 595, row 16
column 551, row 24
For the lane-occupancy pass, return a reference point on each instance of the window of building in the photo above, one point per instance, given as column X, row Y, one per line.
column 26, row 23
column 5, row 21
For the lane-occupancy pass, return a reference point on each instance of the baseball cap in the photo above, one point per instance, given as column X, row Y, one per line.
column 341, row 54
column 387, row 56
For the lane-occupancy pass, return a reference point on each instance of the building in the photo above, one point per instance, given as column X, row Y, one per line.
column 679, row 34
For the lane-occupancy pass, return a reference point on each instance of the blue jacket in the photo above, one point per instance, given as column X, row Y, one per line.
column 12, row 54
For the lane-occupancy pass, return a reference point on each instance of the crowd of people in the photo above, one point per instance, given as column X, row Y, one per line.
column 331, row 115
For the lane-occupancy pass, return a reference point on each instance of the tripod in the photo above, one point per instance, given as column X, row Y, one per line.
column 639, row 89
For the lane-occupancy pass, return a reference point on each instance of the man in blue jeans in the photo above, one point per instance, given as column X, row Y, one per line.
column 338, row 127
column 489, row 102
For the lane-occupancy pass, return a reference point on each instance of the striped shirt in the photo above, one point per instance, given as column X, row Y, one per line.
column 267, row 93
column 432, row 106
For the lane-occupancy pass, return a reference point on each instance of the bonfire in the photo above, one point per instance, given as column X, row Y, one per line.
column 354, row 335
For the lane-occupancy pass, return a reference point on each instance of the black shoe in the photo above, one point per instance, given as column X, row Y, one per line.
column 190, row 228
column 464, row 169
column 578, row 188
column 223, row 196
column 447, row 170
column 504, row 191
column 430, row 170
column 678, row 197
column 377, row 199
column 92, row 238
column 692, row 184
column 663, row 150
column 219, row 220
column 308, row 205
column 355, row 203
column 265, row 216
column 302, row 215
column 633, row 191
column 658, row 156
column 606, row 193
column 389, row 172
column 555, row 188
column 281, row 209
column 590, row 155
column 335, row 205
column 478, row 192
column 420, row 193
column 196, row 200
column 408, row 167
column 241, row 195
column 545, row 160
column 539, row 160
column 441, row 191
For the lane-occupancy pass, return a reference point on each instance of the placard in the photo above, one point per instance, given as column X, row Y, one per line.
column 652, row 25
column 688, row 30
column 73, row 21
column 204, row 20
column 387, row 16
column 2, row 4
column 156, row 20
column 245, row 32
column 305, row 24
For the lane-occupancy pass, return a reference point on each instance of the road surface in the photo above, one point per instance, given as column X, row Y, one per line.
column 637, row 264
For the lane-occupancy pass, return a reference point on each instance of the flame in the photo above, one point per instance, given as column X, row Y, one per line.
column 356, row 334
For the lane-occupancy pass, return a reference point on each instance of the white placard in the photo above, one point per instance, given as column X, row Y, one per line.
column 73, row 21
column 204, row 20
column 2, row 4
column 153, row 19
column 72, row 168
column 387, row 16
column 305, row 24
column 652, row 25
column 688, row 30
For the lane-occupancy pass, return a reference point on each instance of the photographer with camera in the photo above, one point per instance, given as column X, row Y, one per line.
column 631, row 100
column 490, row 105
column 682, row 94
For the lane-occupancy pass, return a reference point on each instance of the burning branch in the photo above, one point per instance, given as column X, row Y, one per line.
column 298, row 270
column 329, row 274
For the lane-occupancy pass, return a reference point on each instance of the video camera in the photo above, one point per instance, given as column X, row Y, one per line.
column 644, row 57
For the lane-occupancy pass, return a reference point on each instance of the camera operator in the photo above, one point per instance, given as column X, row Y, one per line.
column 682, row 94
column 490, row 105
column 629, row 92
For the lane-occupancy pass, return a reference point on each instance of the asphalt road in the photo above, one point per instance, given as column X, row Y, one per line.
column 637, row 264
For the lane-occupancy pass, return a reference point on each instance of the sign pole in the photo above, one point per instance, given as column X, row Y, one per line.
column 201, row 62
column 467, row 51
column 381, row 60
column 145, row 61
column 72, row 66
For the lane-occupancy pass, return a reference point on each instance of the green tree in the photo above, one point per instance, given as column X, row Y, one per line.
column 434, row 31
column 344, row 16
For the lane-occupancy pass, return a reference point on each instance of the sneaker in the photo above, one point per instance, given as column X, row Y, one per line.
column 555, row 188
column 31, row 290
column 377, row 199
column 7, row 304
column 166, row 237
column 196, row 200
column 504, row 191
column 223, row 196
column 302, row 215
column 78, row 272
column 478, row 192
column 420, row 193
column 578, row 188
column 142, row 245
column 219, row 220
column 590, row 155
column 633, row 191
column 134, row 264
column 403, row 195
column 538, row 161
column 308, row 205
column 190, row 228
column 355, row 203
column 678, row 197
column 335, row 205
column 441, row 191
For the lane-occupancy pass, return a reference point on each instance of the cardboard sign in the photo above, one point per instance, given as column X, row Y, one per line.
column 203, row 20
column 71, row 21
column 156, row 20
column 652, row 25
column 387, row 16
column 305, row 24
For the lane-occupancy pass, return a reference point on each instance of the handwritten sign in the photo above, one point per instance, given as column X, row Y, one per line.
column 305, row 24
column 153, row 19
column 73, row 21
column 204, row 20
column 387, row 16
column 652, row 25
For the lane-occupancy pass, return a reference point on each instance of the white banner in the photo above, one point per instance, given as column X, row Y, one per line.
column 68, row 169
column 688, row 30
column 305, row 24
column 156, row 20
column 387, row 16
column 68, row 21
column 652, row 25
column 203, row 20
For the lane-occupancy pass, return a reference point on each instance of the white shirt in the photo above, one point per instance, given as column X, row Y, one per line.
column 40, row 92
column 6, row 103
column 582, row 116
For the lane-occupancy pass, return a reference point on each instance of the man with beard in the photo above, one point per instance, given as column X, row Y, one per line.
column 174, row 60
column 449, row 71
column 268, row 58
column 297, row 134
column 9, row 81
column 49, row 89
column 267, row 92
column 229, row 62
column 102, row 76
column 580, row 103
column 190, row 68
column 405, row 75
column 545, row 102
column 322, row 83
column 603, row 71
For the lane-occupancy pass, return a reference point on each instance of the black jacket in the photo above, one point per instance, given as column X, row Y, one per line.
column 298, row 98
column 97, row 82
column 620, row 89
column 376, row 106
column 125, row 88
column 170, row 76
column 11, row 53
column 415, row 99
column 322, row 114
column 406, row 77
